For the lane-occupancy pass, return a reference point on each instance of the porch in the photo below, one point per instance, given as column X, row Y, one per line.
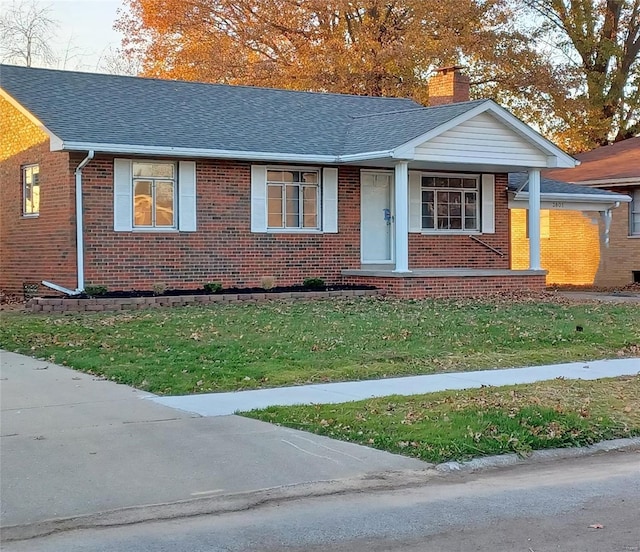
column 447, row 282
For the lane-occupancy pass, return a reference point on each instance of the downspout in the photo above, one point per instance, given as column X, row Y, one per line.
column 606, row 216
column 80, row 221
column 79, row 232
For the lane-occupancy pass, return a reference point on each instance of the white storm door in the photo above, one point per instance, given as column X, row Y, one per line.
column 376, row 228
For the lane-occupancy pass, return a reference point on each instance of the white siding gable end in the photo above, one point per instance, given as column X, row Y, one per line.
column 483, row 139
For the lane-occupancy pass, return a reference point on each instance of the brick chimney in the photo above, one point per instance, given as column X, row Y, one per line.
column 449, row 85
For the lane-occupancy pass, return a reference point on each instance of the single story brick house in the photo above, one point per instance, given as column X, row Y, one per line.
column 586, row 245
column 131, row 182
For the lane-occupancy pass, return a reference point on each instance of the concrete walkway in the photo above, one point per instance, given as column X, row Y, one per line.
column 73, row 445
column 602, row 296
column 221, row 404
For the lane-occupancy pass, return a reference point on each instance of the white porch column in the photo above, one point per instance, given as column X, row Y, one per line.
column 402, row 216
column 534, row 220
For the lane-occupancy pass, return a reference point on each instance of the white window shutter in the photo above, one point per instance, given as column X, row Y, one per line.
column 330, row 200
column 488, row 204
column 187, row 213
column 258, row 198
column 122, row 195
column 415, row 202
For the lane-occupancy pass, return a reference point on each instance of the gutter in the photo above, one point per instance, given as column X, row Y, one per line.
column 597, row 198
column 79, row 232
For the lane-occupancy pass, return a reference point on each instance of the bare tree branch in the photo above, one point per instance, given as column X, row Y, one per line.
column 26, row 32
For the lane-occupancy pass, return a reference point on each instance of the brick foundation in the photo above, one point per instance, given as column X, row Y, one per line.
column 450, row 286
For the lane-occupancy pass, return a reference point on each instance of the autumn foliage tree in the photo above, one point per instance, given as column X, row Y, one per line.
column 390, row 47
column 375, row 47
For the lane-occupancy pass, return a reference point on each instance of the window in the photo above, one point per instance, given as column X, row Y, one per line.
column 156, row 196
column 293, row 199
column 31, row 190
column 154, row 191
column 450, row 203
column 634, row 213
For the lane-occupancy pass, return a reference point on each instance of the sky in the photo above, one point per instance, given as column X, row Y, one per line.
column 84, row 32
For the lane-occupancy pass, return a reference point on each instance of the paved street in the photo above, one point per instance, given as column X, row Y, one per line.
column 528, row 508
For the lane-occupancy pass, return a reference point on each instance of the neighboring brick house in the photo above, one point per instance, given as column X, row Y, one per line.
column 589, row 246
column 131, row 182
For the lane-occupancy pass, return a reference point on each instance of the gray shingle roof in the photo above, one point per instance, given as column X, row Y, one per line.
column 549, row 186
column 109, row 109
column 379, row 130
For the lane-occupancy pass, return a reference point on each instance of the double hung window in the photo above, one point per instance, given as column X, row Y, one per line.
column 31, row 190
column 293, row 197
column 154, row 195
column 450, row 203
column 634, row 213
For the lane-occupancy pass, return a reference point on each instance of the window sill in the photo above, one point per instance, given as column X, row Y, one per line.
column 451, row 233
column 293, row 231
column 155, row 230
column 634, row 236
column 30, row 215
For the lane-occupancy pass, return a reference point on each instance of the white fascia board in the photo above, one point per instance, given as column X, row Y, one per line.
column 131, row 149
column 576, row 198
column 55, row 141
column 556, row 157
column 565, row 205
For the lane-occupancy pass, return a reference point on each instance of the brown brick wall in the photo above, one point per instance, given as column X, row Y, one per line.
column 43, row 247
column 571, row 253
column 224, row 250
column 622, row 257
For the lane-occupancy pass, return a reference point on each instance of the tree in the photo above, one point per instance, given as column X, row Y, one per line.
column 374, row 47
column 601, row 41
column 26, row 30
column 570, row 67
column 115, row 62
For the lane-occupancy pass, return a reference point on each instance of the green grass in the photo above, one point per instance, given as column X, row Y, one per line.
column 242, row 346
column 457, row 425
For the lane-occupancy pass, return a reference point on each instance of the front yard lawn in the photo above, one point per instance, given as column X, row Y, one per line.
column 246, row 346
column 457, row 425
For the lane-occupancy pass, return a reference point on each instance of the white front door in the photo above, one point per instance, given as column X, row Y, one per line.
column 376, row 228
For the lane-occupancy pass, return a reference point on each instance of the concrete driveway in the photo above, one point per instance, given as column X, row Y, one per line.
column 73, row 444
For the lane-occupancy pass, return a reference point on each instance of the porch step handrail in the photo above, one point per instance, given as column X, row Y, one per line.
column 496, row 251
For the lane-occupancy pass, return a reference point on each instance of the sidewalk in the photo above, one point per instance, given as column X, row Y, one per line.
column 221, row 404
column 73, row 444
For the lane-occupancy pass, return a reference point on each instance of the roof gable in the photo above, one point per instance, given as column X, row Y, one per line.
column 607, row 163
column 384, row 131
column 482, row 138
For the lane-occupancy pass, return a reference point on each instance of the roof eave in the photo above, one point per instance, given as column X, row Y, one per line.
column 607, row 182
column 168, row 151
column 580, row 198
column 55, row 140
